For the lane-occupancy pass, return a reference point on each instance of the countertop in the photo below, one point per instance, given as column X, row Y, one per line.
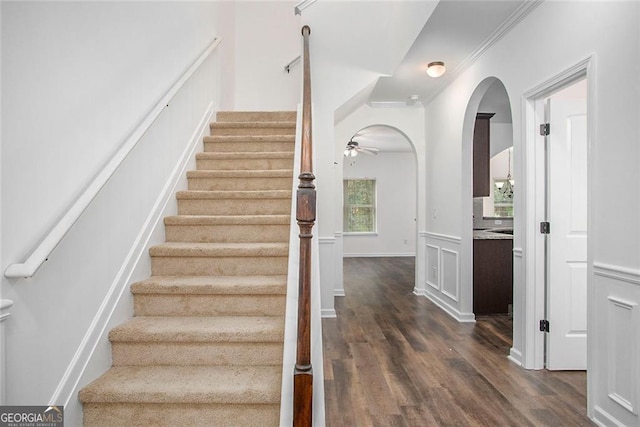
column 491, row 234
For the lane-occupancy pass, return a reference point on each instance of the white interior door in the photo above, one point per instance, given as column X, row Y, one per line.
column 567, row 241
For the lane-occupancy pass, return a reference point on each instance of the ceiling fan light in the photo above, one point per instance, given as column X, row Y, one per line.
column 436, row 69
column 350, row 152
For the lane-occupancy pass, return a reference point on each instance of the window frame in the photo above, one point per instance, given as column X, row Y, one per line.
column 345, row 206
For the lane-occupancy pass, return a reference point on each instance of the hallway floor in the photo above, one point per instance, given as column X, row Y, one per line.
column 394, row 359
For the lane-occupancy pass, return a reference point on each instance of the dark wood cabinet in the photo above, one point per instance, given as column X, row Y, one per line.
column 481, row 145
column 492, row 275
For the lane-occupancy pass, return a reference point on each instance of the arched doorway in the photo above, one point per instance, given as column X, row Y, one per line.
column 381, row 223
column 488, row 191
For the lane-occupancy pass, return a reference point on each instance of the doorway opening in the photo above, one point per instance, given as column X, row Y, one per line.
column 566, row 227
column 379, row 194
column 493, row 193
column 488, row 169
column 558, row 119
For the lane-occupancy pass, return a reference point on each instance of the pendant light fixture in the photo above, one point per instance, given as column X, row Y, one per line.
column 507, row 188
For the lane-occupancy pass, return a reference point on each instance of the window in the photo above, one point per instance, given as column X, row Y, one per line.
column 359, row 205
column 502, row 200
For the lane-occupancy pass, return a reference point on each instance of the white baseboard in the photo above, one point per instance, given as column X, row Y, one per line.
column 603, row 418
column 452, row 311
column 338, row 293
column 328, row 313
column 70, row 382
column 515, row 356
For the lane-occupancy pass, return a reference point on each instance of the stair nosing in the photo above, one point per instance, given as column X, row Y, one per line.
column 196, row 220
column 235, row 155
column 199, row 329
column 239, row 173
column 250, row 138
column 216, row 249
column 219, row 194
column 211, row 285
column 187, row 384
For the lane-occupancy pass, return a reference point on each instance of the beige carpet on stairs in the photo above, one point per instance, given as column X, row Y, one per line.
column 205, row 345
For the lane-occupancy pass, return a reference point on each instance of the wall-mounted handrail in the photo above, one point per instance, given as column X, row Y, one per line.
column 293, row 62
column 41, row 253
column 305, row 216
column 298, row 8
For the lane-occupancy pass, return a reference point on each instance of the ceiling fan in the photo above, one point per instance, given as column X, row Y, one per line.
column 353, row 148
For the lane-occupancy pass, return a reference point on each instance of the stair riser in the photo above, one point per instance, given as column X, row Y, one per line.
column 228, row 233
column 196, row 354
column 233, row 131
column 218, row 266
column 244, row 147
column 240, row 184
column 171, row 415
column 234, row 207
column 209, row 305
column 255, row 116
column 244, row 164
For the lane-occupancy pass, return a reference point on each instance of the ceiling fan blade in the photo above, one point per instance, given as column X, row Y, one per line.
column 369, row 151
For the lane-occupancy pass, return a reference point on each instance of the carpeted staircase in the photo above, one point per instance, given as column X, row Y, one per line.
column 205, row 345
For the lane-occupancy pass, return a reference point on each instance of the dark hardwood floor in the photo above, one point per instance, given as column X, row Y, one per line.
column 394, row 359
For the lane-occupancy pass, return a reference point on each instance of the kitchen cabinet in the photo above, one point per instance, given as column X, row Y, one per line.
column 492, row 275
column 481, row 145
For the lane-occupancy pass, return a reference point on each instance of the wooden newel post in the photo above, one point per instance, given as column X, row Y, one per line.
column 306, row 217
column 303, row 373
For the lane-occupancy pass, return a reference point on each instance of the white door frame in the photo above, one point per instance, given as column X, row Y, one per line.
column 534, row 256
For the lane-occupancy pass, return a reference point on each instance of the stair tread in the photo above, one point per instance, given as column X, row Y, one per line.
column 227, row 220
column 253, row 116
column 206, row 285
column 250, row 125
column 267, row 173
column 187, row 384
column 209, row 155
column 250, row 138
column 242, row 329
column 192, row 249
column 248, row 194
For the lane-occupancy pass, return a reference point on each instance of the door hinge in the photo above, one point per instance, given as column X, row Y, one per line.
column 545, row 129
column 545, row 227
column 544, row 326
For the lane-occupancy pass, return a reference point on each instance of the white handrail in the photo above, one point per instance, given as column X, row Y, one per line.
column 298, row 8
column 49, row 243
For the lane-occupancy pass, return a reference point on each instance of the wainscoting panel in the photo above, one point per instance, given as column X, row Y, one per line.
column 433, row 266
column 622, row 324
column 615, row 349
column 450, row 274
column 516, row 353
column 442, row 281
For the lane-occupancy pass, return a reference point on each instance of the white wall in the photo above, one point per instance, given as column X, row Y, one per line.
column 381, row 33
column 267, row 37
column 501, row 135
column 395, row 175
column 77, row 78
column 543, row 45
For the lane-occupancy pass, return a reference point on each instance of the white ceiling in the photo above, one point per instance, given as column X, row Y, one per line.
column 457, row 32
column 453, row 34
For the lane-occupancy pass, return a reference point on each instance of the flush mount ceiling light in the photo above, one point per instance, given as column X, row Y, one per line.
column 436, row 69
